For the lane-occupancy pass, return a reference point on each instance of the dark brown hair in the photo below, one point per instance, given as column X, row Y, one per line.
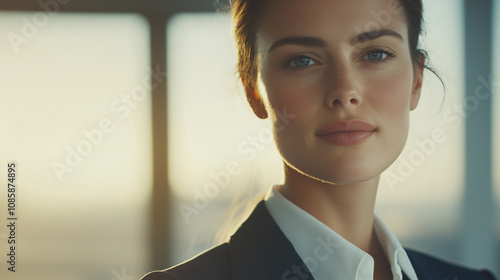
column 246, row 13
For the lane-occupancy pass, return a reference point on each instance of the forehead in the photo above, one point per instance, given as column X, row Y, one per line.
column 330, row 18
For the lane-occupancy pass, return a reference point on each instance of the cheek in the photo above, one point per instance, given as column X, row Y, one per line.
column 391, row 101
column 296, row 96
column 391, row 96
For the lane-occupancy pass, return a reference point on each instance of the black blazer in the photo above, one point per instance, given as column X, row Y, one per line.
column 260, row 251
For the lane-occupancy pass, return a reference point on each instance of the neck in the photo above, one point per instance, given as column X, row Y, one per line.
column 347, row 209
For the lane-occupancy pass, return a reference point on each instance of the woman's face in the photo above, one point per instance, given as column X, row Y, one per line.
column 344, row 71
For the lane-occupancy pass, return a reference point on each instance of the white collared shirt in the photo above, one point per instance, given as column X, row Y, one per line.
column 328, row 255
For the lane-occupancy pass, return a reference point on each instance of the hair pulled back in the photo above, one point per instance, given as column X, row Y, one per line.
column 246, row 14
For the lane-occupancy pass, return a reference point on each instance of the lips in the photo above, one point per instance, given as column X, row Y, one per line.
column 347, row 132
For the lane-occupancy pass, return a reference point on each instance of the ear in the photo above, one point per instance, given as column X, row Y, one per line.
column 418, row 79
column 255, row 101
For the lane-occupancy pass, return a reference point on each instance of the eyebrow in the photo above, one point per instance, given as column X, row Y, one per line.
column 302, row 41
column 372, row 35
column 318, row 42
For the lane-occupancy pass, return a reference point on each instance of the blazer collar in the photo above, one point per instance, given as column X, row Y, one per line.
column 260, row 250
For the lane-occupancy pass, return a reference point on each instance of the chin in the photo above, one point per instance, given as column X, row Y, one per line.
column 342, row 175
column 348, row 178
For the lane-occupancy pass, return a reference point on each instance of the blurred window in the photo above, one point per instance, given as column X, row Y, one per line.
column 75, row 114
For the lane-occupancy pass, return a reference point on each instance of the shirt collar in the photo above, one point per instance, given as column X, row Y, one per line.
column 394, row 251
column 327, row 254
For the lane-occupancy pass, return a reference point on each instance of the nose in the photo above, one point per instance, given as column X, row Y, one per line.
column 344, row 89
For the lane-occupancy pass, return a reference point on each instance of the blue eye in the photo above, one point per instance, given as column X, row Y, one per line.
column 379, row 56
column 301, row 62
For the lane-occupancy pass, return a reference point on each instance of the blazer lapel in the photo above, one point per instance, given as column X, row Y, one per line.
column 260, row 251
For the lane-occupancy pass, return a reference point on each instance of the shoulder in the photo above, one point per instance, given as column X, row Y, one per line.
column 429, row 267
column 211, row 264
column 246, row 255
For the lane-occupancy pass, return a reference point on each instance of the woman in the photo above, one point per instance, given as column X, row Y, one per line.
column 337, row 79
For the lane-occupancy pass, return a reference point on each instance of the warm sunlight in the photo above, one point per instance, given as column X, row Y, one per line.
column 212, row 125
column 66, row 120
